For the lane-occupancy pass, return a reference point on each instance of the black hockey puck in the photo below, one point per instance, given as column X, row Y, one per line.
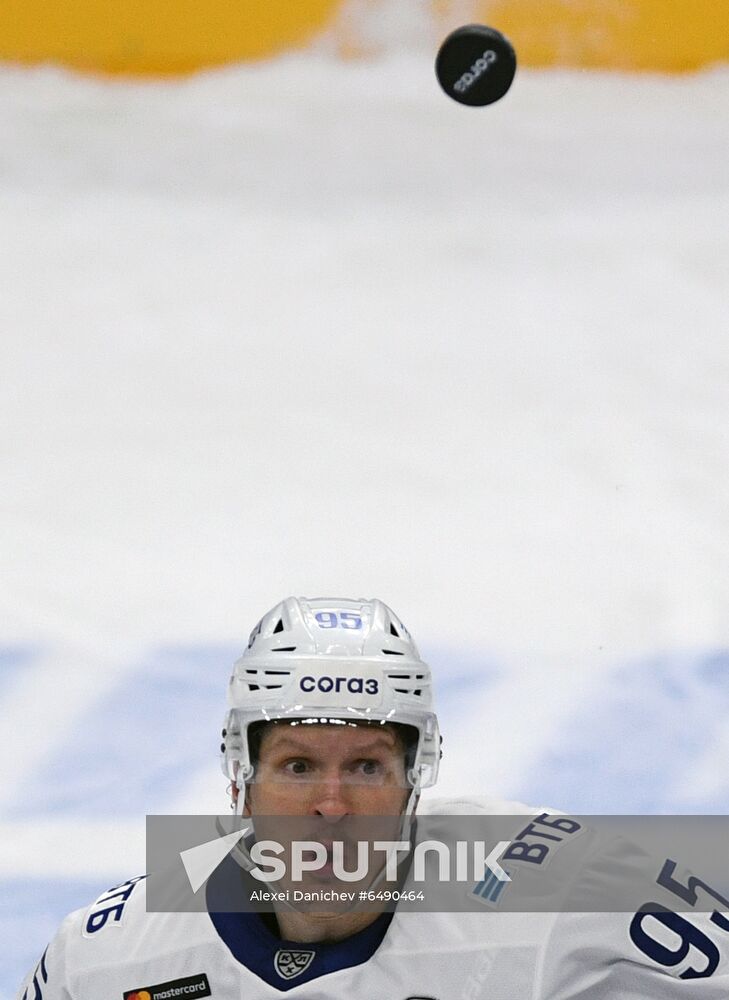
column 475, row 65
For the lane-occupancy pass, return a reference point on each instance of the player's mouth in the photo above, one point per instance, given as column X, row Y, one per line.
column 325, row 872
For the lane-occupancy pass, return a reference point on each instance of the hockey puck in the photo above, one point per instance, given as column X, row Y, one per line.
column 475, row 65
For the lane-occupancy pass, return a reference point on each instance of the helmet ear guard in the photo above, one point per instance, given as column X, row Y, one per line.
column 331, row 659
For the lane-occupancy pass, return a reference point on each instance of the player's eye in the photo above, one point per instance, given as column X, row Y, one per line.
column 369, row 768
column 296, row 766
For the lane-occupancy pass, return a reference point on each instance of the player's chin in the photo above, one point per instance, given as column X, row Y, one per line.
column 325, row 916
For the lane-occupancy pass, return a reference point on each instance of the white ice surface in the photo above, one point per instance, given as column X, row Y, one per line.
column 306, row 327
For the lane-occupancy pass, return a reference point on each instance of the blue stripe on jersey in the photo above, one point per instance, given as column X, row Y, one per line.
column 490, row 887
column 44, row 971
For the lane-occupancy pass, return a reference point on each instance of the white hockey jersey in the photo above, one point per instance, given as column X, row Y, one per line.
column 115, row 950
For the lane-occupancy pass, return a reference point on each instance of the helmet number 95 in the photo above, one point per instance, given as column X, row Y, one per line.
column 338, row 619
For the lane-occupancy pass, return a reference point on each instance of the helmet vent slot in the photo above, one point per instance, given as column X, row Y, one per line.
column 392, row 652
column 255, row 633
column 264, row 679
column 408, row 678
column 284, row 649
column 279, row 626
column 394, row 631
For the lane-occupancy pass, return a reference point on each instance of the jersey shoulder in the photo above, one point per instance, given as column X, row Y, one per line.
column 51, row 975
column 114, row 932
column 475, row 805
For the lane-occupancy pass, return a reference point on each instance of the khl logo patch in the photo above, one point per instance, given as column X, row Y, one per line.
column 289, row 963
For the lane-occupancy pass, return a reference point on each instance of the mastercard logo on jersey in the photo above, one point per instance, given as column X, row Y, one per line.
column 188, row 988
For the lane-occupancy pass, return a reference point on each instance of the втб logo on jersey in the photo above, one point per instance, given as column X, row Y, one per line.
column 188, row 988
column 289, row 963
column 337, row 685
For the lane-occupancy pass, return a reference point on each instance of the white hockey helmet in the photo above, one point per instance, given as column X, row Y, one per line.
column 331, row 659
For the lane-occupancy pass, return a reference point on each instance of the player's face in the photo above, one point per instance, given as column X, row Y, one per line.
column 329, row 770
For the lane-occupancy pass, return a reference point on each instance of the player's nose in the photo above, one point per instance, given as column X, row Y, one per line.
column 332, row 801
